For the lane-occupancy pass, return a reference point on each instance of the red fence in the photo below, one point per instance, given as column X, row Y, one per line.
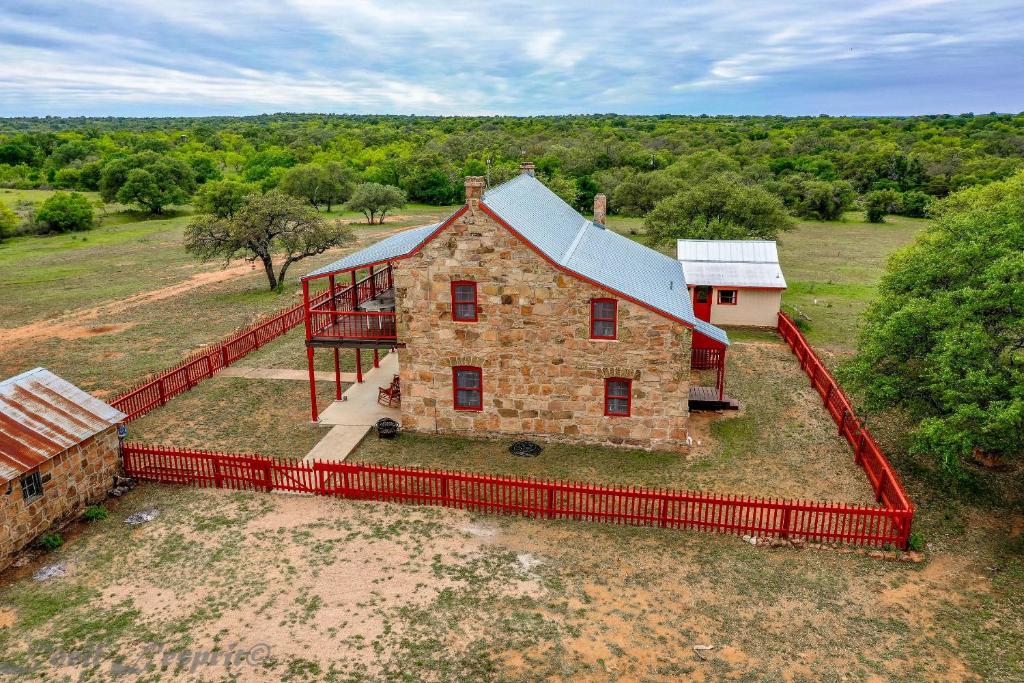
column 537, row 498
column 887, row 486
column 202, row 364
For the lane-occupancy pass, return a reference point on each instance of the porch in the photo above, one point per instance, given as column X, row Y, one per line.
column 353, row 312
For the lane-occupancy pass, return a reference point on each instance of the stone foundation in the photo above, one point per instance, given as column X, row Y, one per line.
column 542, row 374
column 78, row 477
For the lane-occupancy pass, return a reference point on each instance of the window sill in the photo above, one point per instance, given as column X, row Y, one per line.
column 604, row 339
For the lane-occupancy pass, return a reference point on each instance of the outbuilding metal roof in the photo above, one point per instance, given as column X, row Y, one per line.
column 570, row 240
column 41, row 416
column 731, row 263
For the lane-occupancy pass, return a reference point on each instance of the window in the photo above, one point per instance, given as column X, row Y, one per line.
column 469, row 388
column 617, row 396
column 31, row 486
column 728, row 297
column 464, row 301
column 602, row 318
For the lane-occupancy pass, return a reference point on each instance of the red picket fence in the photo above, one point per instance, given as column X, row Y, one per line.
column 887, row 486
column 202, row 364
column 527, row 497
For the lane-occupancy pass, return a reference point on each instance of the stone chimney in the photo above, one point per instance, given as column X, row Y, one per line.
column 527, row 167
column 474, row 190
column 600, row 209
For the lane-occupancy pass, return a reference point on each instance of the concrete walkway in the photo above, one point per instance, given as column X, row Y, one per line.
column 283, row 373
column 353, row 416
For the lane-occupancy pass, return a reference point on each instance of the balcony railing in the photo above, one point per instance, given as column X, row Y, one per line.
column 353, row 325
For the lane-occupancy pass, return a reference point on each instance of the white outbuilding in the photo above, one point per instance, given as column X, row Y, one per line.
column 733, row 282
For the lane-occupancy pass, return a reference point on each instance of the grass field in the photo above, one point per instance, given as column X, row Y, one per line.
column 343, row 590
column 105, row 307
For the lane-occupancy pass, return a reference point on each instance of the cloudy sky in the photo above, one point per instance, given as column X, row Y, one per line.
column 195, row 57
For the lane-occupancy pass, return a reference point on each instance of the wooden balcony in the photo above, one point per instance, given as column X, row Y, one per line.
column 359, row 314
column 353, row 328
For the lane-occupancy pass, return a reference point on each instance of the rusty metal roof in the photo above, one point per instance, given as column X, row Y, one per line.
column 42, row 415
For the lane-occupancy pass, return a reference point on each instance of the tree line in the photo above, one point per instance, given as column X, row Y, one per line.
column 816, row 166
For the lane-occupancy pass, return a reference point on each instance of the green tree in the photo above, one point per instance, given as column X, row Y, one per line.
column 721, row 207
column 375, row 200
column 222, row 198
column 946, row 341
column 915, row 204
column 824, row 200
column 637, row 194
column 326, row 184
column 66, row 212
column 267, row 226
column 148, row 179
column 8, row 221
column 564, row 187
column 879, row 203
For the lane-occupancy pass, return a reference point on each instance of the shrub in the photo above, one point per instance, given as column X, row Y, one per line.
column 95, row 513
column 8, row 222
column 915, row 204
column 66, row 212
column 878, row 203
column 50, row 542
column 916, row 541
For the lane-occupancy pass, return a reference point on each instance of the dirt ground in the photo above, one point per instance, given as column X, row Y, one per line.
column 327, row 589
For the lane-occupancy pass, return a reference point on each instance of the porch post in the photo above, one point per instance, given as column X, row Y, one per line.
column 334, row 299
column 312, row 384
column 373, row 285
column 721, row 375
column 337, row 374
column 359, row 365
column 355, row 294
column 376, row 358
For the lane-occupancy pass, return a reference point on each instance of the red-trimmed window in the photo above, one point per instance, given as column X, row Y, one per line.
column 464, row 301
column 728, row 297
column 468, row 383
column 618, row 396
column 603, row 322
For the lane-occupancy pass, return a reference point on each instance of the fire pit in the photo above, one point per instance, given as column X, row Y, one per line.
column 525, row 449
column 387, row 428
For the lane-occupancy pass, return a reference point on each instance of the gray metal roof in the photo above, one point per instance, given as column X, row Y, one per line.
column 593, row 251
column 41, row 416
column 731, row 263
column 575, row 243
column 395, row 246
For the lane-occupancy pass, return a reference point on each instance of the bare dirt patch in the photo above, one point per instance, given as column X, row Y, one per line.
column 7, row 618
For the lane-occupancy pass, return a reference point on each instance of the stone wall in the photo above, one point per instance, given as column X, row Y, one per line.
column 542, row 374
column 79, row 476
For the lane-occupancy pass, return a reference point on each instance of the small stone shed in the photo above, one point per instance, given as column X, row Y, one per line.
column 733, row 282
column 58, row 454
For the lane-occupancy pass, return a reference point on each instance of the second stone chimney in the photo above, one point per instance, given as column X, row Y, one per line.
column 474, row 190
column 527, row 167
column 600, row 209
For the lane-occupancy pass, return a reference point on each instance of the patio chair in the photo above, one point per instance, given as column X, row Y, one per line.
column 390, row 396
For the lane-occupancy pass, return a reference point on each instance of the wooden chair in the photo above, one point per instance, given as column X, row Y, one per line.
column 391, row 395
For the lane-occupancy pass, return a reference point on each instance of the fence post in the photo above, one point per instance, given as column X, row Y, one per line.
column 160, row 389
column 663, row 513
column 551, row 502
column 842, row 422
column 224, row 355
column 209, row 365
column 218, row 479
column 785, row 521
column 445, row 497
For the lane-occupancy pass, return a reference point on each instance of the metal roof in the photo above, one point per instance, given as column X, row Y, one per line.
column 570, row 240
column 395, row 246
column 41, row 416
column 735, row 263
column 591, row 250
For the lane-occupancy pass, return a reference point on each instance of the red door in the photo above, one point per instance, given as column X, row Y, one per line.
column 702, row 302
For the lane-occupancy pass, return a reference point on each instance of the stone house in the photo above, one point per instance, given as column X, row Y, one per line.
column 59, row 453
column 733, row 282
column 518, row 315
